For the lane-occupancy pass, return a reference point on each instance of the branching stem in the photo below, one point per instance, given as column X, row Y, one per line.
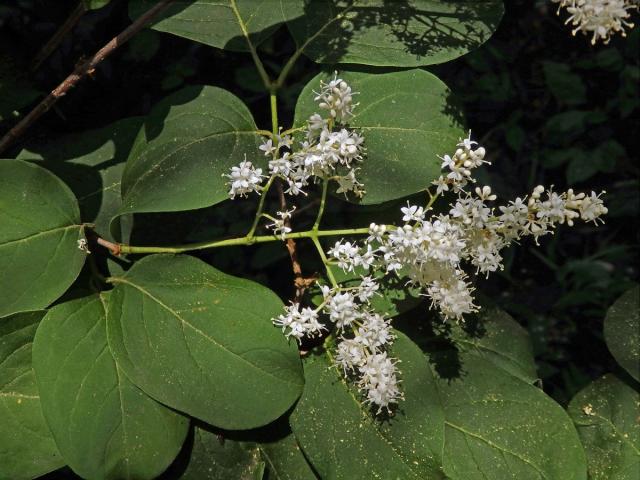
column 252, row 49
column 323, row 201
column 256, row 220
column 81, row 71
column 246, row 240
column 325, row 260
column 57, row 38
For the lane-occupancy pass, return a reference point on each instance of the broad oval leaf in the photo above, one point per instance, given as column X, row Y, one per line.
column 104, row 425
column 188, row 141
column 407, row 122
column 27, row 448
column 202, row 342
column 606, row 415
column 91, row 164
column 39, row 255
column 401, row 33
column 497, row 426
column 495, row 336
column 227, row 24
column 622, row 331
column 341, row 437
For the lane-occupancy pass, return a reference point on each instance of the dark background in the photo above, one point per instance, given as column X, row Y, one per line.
column 550, row 109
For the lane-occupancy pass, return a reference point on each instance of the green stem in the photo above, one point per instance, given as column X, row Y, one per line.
column 274, row 114
column 325, row 260
column 263, row 196
column 432, row 199
column 246, row 240
column 293, row 130
column 323, row 201
column 252, row 49
column 294, row 58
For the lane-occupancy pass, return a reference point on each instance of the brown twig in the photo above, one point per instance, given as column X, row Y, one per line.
column 299, row 281
column 57, row 37
column 114, row 248
column 82, row 70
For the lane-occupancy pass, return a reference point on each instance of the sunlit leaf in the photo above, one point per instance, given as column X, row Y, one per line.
column 202, row 342
column 188, row 141
column 606, row 415
column 220, row 23
column 408, row 119
column 402, row 33
column 343, row 439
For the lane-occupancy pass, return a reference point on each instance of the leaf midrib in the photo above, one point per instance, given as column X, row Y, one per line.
column 38, row 234
column 498, row 447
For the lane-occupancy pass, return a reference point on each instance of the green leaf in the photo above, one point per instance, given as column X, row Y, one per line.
column 402, row 33
column 91, row 163
column 341, row 437
column 498, row 426
column 581, row 168
column 407, row 120
column 27, row 449
column 189, row 140
column 606, row 415
column 222, row 24
column 622, row 331
column 202, row 342
column 566, row 86
column 215, row 457
column 496, row 337
column 95, row 4
column 285, row 460
column 105, row 426
column 221, row 455
column 39, row 255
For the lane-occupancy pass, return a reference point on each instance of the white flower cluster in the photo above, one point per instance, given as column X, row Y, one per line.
column 364, row 337
column 244, row 179
column 432, row 252
column 328, row 151
column 599, row 18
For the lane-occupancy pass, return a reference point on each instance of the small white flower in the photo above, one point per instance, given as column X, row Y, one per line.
column 267, row 147
column 349, row 183
column 279, row 226
column 376, row 232
column 412, row 213
column 442, row 185
column 83, row 245
column 592, row 208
